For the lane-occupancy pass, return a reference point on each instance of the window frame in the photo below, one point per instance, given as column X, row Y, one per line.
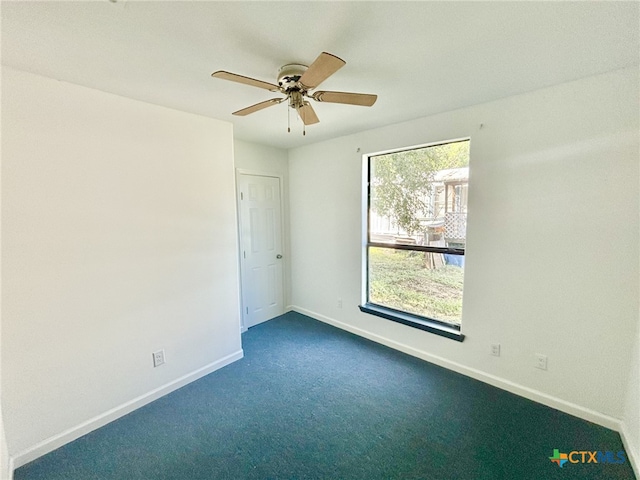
column 431, row 325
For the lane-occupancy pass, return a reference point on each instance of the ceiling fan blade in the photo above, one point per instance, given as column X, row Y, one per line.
column 258, row 106
column 322, row 68
column 234, row 77
column 307, row 114
column 362, row 99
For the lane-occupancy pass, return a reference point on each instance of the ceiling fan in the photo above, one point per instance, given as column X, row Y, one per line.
column 296, row 81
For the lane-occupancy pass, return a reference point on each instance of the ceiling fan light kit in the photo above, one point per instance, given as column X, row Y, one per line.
column 295, row 81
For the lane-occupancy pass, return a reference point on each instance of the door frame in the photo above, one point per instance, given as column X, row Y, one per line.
column 285, row 263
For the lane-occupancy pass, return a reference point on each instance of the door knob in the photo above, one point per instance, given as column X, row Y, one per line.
column 278, row 256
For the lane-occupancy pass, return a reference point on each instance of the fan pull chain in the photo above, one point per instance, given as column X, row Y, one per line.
column 288, row 119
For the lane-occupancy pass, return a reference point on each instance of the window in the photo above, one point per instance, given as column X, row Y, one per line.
column 416, row 236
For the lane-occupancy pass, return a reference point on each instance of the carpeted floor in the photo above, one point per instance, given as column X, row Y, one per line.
column 310, row 401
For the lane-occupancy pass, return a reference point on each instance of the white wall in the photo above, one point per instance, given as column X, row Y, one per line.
column 631, row 418
column 119, row 239
column 5, row 469
column 260, row 159
column 552, row 241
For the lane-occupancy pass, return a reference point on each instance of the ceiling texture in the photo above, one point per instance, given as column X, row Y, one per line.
column 420, row 58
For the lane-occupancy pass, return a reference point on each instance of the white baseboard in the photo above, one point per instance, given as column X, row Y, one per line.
column 56, row 441
column 11, row 469
column 633, row 451
column 515, row 388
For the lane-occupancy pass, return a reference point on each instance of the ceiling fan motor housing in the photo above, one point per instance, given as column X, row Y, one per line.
column 289, row 75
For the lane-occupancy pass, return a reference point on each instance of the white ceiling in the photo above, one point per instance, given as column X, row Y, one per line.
column 420, row 58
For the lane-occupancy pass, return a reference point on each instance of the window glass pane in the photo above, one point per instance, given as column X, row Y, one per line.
column 423, row 283
column 420, row 196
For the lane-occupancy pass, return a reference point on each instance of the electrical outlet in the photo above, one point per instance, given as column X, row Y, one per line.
column 339, row 303
column 495, row 349
column 541, row 361
column 158, row 358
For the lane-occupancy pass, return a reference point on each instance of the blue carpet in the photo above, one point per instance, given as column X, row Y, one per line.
column 310, row 401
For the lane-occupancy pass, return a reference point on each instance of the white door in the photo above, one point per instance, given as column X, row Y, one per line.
column 261, row 248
